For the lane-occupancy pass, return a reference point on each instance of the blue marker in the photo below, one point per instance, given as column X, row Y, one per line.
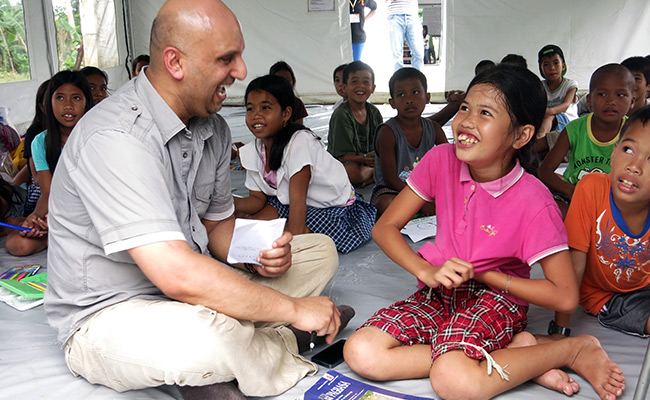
column 12, row 226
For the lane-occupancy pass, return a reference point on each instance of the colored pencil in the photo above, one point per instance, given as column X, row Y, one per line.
column 12, row 226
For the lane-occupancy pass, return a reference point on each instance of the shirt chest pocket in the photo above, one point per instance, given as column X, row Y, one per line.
column 202, row 197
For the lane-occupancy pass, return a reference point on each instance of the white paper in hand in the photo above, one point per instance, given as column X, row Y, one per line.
column 252, row 236
column 421, row 228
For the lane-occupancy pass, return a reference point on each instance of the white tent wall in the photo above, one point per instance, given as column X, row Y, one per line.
column 313, row 43
column 591, row 33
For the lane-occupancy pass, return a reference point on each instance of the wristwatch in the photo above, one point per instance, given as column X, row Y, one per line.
column 555, row 328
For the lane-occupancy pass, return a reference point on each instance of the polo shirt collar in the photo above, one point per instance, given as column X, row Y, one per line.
column 164, row 117
column 497, row 187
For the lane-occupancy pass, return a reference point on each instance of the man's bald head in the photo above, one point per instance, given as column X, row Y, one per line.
column 196, row 53
column 182, row 23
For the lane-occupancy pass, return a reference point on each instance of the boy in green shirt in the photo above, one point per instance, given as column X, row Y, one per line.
column 589, row 140
column 352, row 125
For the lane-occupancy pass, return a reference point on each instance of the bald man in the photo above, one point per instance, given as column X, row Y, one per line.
column 140, row 212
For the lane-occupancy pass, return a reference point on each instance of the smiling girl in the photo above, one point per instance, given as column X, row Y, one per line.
column 68, row 99
column 291, row 175
column 495, row 221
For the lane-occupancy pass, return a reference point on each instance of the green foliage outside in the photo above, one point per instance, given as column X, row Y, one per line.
column 68, row 37
column 14, row 61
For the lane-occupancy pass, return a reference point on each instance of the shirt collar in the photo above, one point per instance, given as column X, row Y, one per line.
column 497, row 187
column 164, row 117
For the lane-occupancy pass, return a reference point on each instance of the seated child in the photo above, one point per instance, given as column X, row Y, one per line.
column 589, row 140
column 353, row 125
column 609, row 231
column 67, row 99
column 338, row 85
column 494, row 221
column 98, row 81
column 640, row 69
column 37, row 126
column 291, row 175
column 403, row 140
column 284, row 70
column 560, row 91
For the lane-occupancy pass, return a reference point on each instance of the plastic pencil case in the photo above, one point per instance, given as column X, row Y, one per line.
column 24, row 289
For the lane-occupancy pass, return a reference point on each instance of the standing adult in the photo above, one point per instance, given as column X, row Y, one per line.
column 136, row 291
column 404, row 23
column 358, row 19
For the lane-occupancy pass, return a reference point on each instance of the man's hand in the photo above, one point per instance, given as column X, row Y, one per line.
column 317, row 314
column 451, row 274
column 276, row 260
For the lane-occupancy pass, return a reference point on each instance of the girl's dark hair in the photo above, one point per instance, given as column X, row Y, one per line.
column 90, row 71
column 283, row 66
column 39, row 107
column 53, row 137
column 281, row 89
column 524, row 97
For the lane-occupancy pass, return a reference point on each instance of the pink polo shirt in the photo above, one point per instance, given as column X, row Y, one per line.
column 505, row 225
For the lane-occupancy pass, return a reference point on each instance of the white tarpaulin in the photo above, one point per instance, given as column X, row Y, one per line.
column 591, row 33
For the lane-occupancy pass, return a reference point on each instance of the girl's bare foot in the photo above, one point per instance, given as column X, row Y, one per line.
column 554, row 379
column 558, row 380
column 593, row 364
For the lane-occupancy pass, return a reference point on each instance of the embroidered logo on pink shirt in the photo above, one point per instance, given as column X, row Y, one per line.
column 489, row 229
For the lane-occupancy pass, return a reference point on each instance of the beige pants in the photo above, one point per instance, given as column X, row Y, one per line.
column 143, row 343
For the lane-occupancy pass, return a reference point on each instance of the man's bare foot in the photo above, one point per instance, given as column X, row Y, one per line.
column 593, row 364
column 554, row 379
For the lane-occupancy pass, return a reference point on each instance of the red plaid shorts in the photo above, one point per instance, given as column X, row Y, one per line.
column 473, row 313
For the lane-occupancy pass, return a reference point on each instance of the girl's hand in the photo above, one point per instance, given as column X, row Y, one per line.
column 453, row 273
column 276, row 260
column 37, row 225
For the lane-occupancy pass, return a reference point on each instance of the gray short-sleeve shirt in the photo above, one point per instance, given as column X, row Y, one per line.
column 130, row 174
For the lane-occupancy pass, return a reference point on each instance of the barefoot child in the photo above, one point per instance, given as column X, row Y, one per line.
column 609, row 232
column 494, row 221
column 351, row 137
column 402, row 141
column 291, row 175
